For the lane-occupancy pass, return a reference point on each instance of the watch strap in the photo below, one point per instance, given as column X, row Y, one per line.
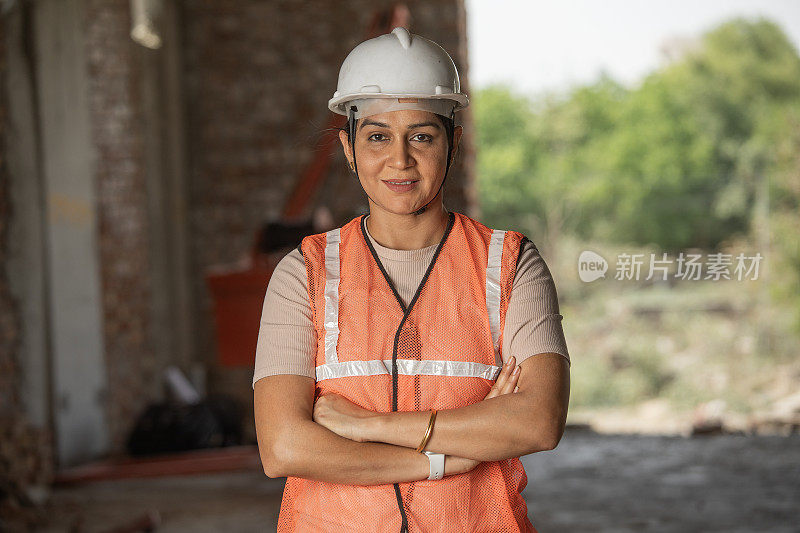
column 436, row 461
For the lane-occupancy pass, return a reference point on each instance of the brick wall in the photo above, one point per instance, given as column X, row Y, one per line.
column 117, row 130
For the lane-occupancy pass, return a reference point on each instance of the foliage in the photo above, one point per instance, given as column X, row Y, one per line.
column 678, row 161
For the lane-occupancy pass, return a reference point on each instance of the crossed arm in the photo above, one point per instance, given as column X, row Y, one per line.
column 298, row 438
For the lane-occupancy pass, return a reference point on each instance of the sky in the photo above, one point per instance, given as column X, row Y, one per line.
column 536, row 45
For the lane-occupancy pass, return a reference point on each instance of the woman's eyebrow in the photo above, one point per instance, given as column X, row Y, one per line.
column 368, row 122
column 422, row 125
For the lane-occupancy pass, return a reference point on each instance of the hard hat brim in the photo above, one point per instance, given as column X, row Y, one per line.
column 337, row 105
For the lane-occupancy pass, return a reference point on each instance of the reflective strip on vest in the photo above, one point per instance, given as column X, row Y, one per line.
column 493, row 289
column 408, row 367
column 332, row 295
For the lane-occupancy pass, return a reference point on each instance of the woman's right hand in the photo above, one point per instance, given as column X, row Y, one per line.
column 506, row 383
column 454, row 464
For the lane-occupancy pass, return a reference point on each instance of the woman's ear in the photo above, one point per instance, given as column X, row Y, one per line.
column 346, row 146
column 457, row 131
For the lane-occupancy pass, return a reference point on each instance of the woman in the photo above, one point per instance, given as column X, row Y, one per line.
column 398, row 332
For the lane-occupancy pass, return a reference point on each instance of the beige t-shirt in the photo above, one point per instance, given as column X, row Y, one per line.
column 287, row 343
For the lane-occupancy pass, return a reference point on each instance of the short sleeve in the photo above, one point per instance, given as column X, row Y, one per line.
column 286, row 338
column 533, row 321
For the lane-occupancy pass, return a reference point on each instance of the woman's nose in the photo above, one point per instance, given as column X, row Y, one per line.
column 401, row 156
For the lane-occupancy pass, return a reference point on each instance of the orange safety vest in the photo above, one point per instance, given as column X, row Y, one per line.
column 443, row 351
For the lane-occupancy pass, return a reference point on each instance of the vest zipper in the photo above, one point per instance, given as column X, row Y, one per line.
column 406, row 313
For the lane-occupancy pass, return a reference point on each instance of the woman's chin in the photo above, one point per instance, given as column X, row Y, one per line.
column 409, row 209
column 401, row 207
column 401, row 204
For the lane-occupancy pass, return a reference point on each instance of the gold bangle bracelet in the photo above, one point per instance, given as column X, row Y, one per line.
column 427, row 436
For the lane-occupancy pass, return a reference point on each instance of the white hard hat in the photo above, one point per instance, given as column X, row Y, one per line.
column 403, row 67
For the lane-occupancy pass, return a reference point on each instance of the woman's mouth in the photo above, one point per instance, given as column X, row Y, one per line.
column 401, row 185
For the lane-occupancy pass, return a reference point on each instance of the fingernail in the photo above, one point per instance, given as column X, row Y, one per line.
column 516, row 371
column 516, row 388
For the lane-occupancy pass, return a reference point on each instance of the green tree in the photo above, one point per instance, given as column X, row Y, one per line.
column 681, row 160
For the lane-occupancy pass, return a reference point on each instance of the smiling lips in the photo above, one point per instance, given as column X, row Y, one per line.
column 400, row 185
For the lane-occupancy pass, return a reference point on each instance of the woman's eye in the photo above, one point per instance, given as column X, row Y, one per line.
column 420, row 137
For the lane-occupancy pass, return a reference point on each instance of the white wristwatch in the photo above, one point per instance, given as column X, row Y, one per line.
column 437, row 464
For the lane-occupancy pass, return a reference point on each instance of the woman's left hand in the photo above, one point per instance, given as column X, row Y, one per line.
column 341, row 416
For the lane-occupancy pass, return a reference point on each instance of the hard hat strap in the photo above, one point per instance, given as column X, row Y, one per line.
column 351, row 127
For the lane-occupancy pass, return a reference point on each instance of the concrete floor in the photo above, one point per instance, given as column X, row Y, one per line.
column 591, row 482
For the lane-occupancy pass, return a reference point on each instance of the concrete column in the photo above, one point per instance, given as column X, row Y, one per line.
column 67, row 154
